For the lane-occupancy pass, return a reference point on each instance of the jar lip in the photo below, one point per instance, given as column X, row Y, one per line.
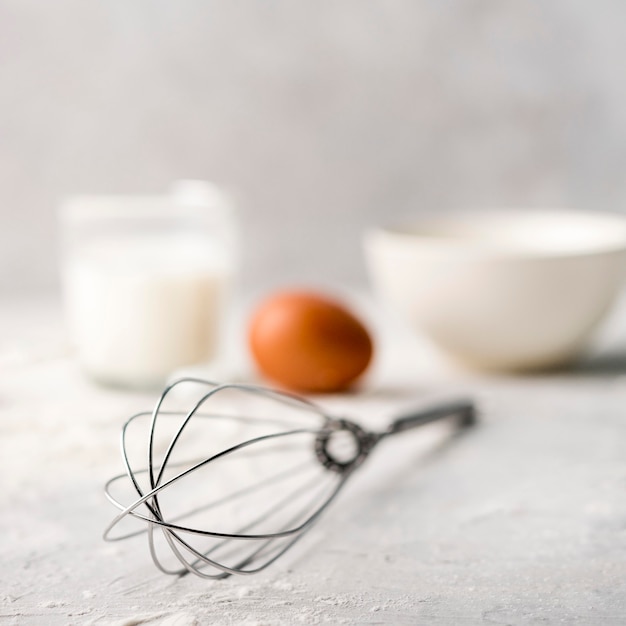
column 96, row 207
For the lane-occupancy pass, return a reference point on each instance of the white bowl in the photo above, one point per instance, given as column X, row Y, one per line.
column 503, row 290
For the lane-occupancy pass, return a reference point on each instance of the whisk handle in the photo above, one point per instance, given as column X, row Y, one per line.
column 463, row 409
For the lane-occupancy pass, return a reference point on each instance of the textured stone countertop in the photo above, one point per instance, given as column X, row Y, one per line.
column 521, row 520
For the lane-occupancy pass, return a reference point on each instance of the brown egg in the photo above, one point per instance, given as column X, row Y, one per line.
column 307, row 342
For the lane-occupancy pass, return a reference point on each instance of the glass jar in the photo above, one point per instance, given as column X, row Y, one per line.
column 147, row 281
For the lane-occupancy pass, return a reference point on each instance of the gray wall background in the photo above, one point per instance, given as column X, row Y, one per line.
column 326, row 116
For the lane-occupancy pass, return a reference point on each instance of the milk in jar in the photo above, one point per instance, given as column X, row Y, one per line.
column 147, row 282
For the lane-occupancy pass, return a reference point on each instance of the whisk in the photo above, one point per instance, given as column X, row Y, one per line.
column 231, row 484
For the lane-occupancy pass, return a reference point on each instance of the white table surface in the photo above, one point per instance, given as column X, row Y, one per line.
column 520, row 521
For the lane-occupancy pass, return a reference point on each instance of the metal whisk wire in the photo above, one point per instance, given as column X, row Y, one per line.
column 281, row 503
